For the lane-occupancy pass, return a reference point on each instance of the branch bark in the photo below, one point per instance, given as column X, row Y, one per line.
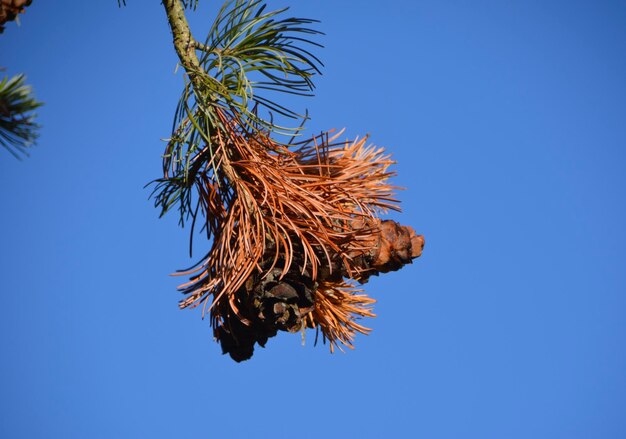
column 184, row 42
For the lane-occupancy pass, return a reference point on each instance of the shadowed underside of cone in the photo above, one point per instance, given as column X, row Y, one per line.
column 9, row 9
column 292, row 231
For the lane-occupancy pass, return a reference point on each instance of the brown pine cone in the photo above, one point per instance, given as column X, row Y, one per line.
column 9, row 10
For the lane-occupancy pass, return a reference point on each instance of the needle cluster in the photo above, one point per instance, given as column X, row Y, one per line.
column 293, row 226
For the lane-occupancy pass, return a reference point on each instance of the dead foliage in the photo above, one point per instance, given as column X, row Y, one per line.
column 292, row 228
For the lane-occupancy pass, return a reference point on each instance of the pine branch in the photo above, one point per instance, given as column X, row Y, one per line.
column 245, row 43
column 292, row 226
column 18, row 130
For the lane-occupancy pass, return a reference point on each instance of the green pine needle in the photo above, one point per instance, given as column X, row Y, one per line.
column 18, row 130
column 249, row 50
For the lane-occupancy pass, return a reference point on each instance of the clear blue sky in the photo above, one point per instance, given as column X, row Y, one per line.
column 508, row 123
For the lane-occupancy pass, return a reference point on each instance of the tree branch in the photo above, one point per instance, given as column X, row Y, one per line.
column 200, row 46
column 184, row 42
column 185, row 46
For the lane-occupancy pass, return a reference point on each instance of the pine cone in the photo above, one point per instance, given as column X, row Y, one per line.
column 9, row 10
column 391, row 247
column 272, row 302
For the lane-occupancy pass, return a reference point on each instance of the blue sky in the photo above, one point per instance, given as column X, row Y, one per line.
column 508, row 123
